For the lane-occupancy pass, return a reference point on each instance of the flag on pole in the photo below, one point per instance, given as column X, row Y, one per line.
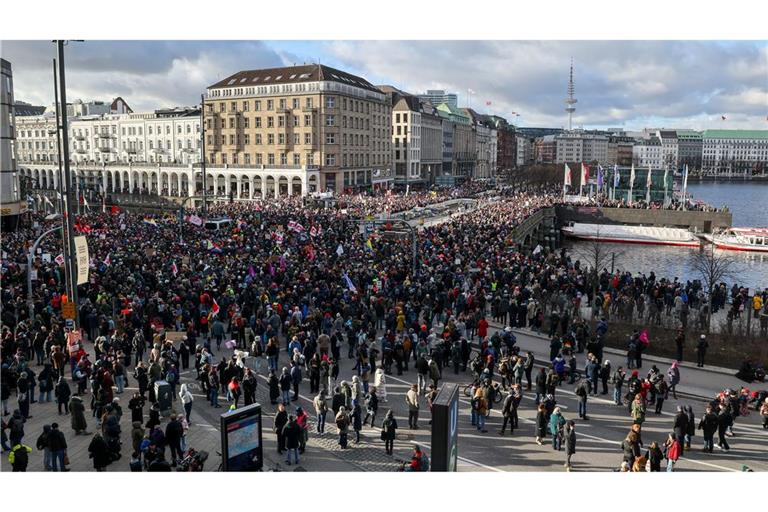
column 85, row 203
column 350, row 285
column 616, row 180
column 339, row 250
column 295, row 226
column 599, row 177
column 649, row 181
column 566, row 179
column 666, row 174
column 108, row 260
column 215, row 308
column 631, row 184
column 195, row 220
column 48, row 201
column 685, row 184
column 174, row 269
column 151, row 222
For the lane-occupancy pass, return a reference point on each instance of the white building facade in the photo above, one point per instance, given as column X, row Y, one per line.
column 648, row 153
column 735, row 151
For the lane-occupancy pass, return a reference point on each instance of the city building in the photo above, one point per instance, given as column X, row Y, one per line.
column 406, row 139
column 22, row 108
column 689, row 149
column 463, row 145
column 735, row 151
column 431, row 143
column 438, row 96
column 506, row 143
column 545, row 149
column 619, row 150
column 581, row 146
column 485, row 146
column 304, row 119
column 524, row 150
column 12, row 202
column 647, row 153
column 669, row 150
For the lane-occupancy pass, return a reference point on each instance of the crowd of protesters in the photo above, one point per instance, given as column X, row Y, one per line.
column 298, row 288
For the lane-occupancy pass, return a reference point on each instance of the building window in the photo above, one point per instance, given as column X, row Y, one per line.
column 281, row 121
column 258, row 122
column 259, row 160
column 282, row 103
column 295, row 103
column 224, row 158
column 245, row 106
column 330, row 138
column 295, row 121
column 330, row 101
column 297, row 139
column 307, row 120
column 296, row 159
column 270, row 138
column 270, row 122
column 281, row 138
column 283, row 159
column 330, row 160
column 270, row 104
column 397, row 118
column 271, row 159
column 308, row 139
column 231, row 140
column 247, row 139
column 231, row 122
column 308, row 102
column 310, row 159
column 247, row 157
column 330, row 120
column 246, row 122
column 258, row 139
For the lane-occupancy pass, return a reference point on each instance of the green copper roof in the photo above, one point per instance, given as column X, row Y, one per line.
column 735, row 134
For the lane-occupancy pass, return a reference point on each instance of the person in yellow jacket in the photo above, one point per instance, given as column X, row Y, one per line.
column 19, row 457
column 757, row 305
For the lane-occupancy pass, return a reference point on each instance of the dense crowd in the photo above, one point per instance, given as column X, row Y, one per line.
column 299, row 288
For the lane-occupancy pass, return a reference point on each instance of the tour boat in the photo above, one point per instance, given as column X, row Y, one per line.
column 649, row 235
column 741, row 239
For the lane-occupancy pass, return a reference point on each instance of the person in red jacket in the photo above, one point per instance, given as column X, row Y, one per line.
column 482, row 328
column 673, row 452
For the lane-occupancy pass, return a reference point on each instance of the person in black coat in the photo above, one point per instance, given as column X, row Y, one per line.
column 541, row 423
column 541, row 384
column 357, row 420
column 99, row 452
column 274, row 388
column 136, row 405
column 724, row 420
column 63, row 394
column 389, row 432
column 281, row 419
column 680, row 427
column 291, row 434
column 708, row 424
column 154, row 416
column 337, row 400
column 173, row 434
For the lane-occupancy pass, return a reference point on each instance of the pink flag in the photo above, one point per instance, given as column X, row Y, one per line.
column 174, row 269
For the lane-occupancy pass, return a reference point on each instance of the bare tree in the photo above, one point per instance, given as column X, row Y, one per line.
column 713, row 268
column 598, row 256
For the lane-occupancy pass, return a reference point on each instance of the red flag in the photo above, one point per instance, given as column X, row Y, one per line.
column 114, row 210
column 215, row 308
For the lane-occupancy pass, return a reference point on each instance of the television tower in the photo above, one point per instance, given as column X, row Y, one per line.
column 570, row 100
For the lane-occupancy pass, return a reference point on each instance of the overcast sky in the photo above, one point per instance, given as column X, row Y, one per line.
column 618, row 83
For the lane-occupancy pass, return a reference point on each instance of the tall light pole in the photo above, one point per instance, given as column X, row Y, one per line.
column 69, row 242
column 202, row 151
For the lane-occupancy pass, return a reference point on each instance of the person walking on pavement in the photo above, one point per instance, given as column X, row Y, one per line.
column 618, row 379
column 57, row 445
column 291, row 433
column 569, row 439
column 412, row 400
column 77, row 411
column 673, row 374
column 680, row 426
column 724, row 421
column 708, row 425
column 638, row 409
column 674, row 450
column 556, row 424
column 186, row 400
column 173, row 434
column 541, row 424
column 530, row 360
column 19, row 457
column 662, row 393
column 321, row 409
column 285, row 386
column 701, row 350
column 605, row 375
column 480, row 404
column 372, row 407
column 342, row 424
column 281, row 418
column 389, row 432
column 582, row 391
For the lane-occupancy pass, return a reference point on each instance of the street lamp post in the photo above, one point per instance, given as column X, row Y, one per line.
column 30, row 259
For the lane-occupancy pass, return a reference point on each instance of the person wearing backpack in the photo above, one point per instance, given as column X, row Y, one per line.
column 389, row 432
column 19, row 457
column 342, row 423
column 618, row 383
column 582, row 391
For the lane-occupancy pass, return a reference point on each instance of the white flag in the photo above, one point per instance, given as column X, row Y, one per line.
column 339, row 250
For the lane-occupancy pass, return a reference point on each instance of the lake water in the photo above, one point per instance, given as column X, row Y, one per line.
column 748, row 203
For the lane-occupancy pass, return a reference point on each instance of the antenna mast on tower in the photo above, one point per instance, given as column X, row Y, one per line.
column 570, row 101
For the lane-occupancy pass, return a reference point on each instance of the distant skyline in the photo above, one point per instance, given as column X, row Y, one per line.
column 618, row 84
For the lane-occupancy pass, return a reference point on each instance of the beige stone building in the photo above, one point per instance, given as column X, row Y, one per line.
column 301, row 118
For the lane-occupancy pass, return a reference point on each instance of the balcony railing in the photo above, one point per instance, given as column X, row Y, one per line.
column 105, row 150
column 106, row 136
column 79, row 137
